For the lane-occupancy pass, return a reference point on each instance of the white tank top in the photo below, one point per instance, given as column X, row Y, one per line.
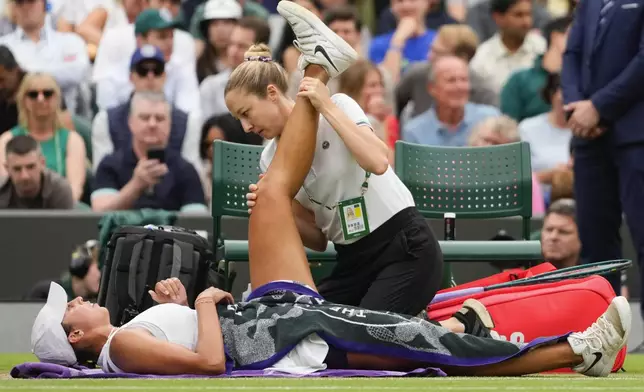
column 169, row 322
column 178, row 324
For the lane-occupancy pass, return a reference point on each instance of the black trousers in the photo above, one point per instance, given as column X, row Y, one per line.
column 609, row 181
column 397, row 268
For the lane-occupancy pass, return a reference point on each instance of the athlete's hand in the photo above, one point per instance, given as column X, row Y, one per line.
column 316, row 92
column 169, row 291
column 217, row 296
column 251, row 196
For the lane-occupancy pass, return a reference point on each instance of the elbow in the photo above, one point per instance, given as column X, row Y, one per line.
column 215, row 367
column 380, row 166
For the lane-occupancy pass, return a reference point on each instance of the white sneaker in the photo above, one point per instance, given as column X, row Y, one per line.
column 601, row 342
column 318, row 44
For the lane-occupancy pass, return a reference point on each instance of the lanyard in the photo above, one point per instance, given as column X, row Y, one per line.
column 363, row 189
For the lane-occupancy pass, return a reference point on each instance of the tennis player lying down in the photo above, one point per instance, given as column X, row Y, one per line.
column 285, row 324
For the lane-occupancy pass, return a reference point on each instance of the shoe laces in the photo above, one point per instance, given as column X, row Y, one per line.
column 594, row 334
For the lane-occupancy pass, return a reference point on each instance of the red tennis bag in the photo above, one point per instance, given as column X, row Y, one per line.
column 523, row 313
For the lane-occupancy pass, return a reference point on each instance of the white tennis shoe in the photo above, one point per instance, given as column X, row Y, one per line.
column 601, row 342
column 318, row 44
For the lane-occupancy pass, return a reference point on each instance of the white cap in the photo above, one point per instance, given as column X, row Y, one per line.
column 449, row 215
column 222, row 9
column 48, row 338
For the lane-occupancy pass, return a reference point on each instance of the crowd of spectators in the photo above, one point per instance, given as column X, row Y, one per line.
column 98, row 84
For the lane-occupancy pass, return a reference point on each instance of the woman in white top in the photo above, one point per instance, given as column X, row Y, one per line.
column 387, row 256
column 548, row 135
column 299, row 329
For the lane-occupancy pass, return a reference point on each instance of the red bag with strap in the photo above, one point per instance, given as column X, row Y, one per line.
column 523, row 313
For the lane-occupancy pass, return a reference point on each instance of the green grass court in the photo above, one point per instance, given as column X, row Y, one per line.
column 631, row 380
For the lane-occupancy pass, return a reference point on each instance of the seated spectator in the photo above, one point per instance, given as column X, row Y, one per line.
column 450, row 121
column 409, row 43
column 29, row 184
column 560, row 242
column 11, row 75
column 82, row 278
column 192, row 12
column 90, row 18
column 110, row 131
column 249, row 30
column 344, row 20
column 152, row 27
column 219, row 20
column 457, row 40
column 548, row 135
column 481, row 20
column 363, row 82
column 514, row 47
column 128, row 179
column 39, row 48
column 503, row 130
column 221, row 127
column 521, row 96
column 72, row 17
column 437, row 17
column 39, row 101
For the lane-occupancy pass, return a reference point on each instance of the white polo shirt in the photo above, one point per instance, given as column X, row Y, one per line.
column 63, row 55
column 336, row 176
column 495, row 63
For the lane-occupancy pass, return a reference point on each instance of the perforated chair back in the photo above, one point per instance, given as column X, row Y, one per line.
column 235, row 166
column 473, row 182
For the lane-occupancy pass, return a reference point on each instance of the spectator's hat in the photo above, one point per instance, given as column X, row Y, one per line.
column 222, row 9
column 147, row 53
column 154, row 19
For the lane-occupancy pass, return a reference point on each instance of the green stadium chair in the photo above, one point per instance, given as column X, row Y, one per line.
column 84, row 129
column 235, row 166
column 474, row 183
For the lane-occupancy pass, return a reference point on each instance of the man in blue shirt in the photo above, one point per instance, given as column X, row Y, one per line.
column 409, row 43
column 450, row 121
column 135, row 177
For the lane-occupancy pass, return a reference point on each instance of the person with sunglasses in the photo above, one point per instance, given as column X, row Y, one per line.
column 39, row 104
column 110, row 129
column 11, row 75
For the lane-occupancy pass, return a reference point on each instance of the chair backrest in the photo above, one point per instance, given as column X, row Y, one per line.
column 84, row 129
column 235, row 166
column 472, row 182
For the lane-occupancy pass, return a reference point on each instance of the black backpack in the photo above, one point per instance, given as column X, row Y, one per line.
column 138, row 257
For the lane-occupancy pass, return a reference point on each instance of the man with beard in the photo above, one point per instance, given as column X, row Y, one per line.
column 30, row 185
column 11, row 76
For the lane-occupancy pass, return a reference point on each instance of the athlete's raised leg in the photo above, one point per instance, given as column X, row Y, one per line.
column 275, row 248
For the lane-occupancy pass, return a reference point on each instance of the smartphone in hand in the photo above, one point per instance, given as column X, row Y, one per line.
column 157, row 153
